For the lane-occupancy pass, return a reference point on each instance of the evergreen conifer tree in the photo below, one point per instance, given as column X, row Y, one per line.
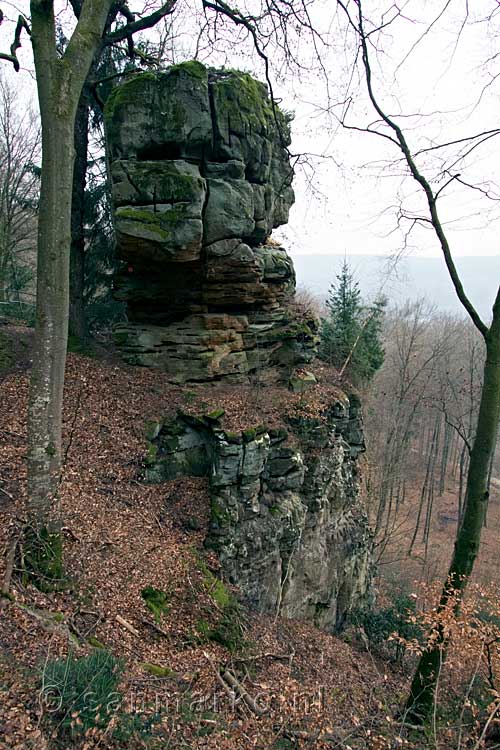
column 351, row 332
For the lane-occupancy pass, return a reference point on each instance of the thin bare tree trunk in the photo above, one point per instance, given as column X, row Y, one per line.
column 59, row 83
column 421, row 698
column 424, row 684
column 77, row 319
column 461, row 478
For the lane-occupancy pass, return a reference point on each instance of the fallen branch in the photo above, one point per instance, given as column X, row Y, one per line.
column 221, row 682
column 154, row 627
column 66, row 530
column 127, row 625
column 240, row 689
column 48, row 622
column 7, row 494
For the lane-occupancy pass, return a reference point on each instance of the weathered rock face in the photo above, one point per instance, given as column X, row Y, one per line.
column 200, row 177
column 286, row 519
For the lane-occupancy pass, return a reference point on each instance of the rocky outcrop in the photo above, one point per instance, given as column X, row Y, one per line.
column 286, row 518
column 200, row 176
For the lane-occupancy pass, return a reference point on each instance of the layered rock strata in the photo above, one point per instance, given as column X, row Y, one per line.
column 200, row 176
column 286, row 518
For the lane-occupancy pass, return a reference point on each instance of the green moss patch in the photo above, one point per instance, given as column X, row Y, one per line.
column 156, row 670
column 43, row 558
column 156, row 601
column 127, row 93
column 192, row 67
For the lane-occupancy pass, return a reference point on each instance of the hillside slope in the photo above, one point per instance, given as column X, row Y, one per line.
column 122, row 536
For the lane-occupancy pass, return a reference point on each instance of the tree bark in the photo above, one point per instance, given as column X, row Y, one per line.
column 77, row 318
column 59, row 84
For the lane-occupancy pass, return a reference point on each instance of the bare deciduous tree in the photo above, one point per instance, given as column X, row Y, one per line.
column 60, row 76
column 19, row 185
column 422, row 692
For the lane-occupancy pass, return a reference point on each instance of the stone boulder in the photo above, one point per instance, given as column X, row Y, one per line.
column 200, row 176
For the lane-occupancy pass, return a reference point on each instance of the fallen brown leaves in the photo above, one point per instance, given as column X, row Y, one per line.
column 121, row 536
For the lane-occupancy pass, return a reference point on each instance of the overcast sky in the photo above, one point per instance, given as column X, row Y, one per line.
column 425, row 64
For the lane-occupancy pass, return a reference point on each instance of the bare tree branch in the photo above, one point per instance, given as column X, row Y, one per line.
column 415, row 172
column 12, row 57
column 132, row 27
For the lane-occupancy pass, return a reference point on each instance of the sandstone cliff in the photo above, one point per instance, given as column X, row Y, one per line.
column 286, row 518
column 200, row 177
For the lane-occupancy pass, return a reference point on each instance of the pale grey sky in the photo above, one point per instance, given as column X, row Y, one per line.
column 345, row 202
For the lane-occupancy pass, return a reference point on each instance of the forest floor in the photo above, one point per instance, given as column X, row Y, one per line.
column 122, row 536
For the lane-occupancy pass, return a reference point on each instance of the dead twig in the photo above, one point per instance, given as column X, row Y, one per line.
column 219, row 679
column 7, row 494
column 240, row 689
column 66, row 530
column 127, row 625
column 154, row 627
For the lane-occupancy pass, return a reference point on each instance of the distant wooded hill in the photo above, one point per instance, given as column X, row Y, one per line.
column 413, row 277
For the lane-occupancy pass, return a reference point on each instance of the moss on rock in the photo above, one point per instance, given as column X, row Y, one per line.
column 191, row 67
column 127, row 93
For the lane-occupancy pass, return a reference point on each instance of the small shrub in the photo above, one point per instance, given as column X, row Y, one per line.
column 6, row 352
column 379, row 625
column 230, row 626
column 18, row 312
column 77, row 346
column 82, row 694
column 43, row 552
column 229, row 630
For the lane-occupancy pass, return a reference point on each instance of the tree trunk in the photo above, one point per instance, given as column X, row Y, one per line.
column 421, row 699
column 423, row 687
column 59, row 85
column 49, row 355
column 77, row 320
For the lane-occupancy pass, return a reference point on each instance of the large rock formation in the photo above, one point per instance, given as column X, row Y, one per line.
column 286, row 518
column 200, row 177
